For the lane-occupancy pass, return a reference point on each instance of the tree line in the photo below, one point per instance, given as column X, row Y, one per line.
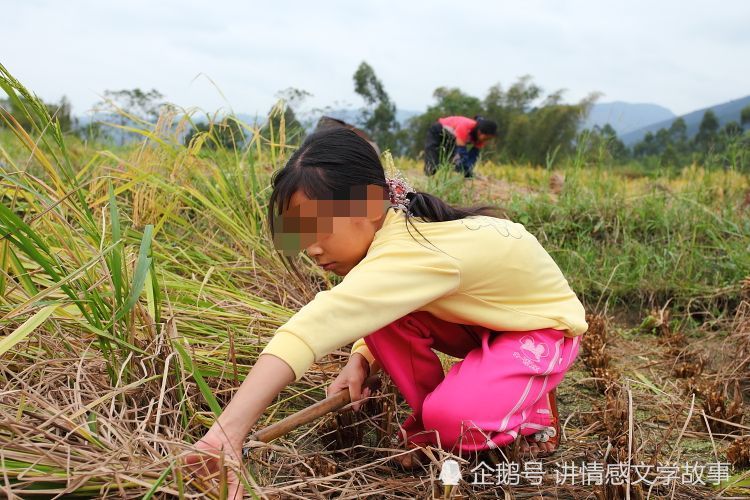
column 60, row 110
column 534, row 127
column 121, row 108
column 540, row 129
column 729, row 145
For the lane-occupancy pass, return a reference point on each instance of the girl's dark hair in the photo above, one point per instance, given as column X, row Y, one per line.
column 335, row 163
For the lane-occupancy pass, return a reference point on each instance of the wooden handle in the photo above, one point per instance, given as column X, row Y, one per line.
column 317, row 410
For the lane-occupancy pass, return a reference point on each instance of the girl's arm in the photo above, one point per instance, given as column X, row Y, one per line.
column 267, row 378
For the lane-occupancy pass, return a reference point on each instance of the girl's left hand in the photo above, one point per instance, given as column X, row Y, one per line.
column 268, row 376
column 207, row 466
column 352, row 378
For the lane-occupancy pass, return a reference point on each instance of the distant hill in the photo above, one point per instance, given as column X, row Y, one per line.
column 725, row 112
column 310, row 119
column 626, row 117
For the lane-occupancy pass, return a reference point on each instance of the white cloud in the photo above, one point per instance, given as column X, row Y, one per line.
column 683, row 55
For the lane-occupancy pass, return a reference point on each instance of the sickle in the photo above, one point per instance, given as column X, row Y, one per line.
column 331, row 403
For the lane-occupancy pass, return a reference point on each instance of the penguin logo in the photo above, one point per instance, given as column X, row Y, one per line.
column 450, row 473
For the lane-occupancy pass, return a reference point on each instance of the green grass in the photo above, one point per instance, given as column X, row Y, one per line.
column 645, row 248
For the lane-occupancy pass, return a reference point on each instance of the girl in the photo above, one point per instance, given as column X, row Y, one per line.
column 418, row 275
column 447, row 140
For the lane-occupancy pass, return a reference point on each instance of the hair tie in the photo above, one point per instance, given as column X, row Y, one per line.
column 398, row 188
column 398, row 191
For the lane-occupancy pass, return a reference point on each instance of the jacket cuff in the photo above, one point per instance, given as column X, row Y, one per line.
column 361, row 348
column 292, row 350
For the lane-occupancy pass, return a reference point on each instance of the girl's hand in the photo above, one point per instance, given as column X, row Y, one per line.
column 352, row 377
column 206, row 463
column 268, row 376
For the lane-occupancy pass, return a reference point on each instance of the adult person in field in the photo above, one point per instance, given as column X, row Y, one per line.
column 457, row 140
column 419, row 275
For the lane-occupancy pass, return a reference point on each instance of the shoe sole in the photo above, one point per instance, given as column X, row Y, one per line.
column 552, row 403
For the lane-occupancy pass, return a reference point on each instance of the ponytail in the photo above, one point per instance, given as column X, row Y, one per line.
column 432, row 209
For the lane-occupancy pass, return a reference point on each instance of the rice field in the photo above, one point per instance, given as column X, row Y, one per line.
column 138, row 285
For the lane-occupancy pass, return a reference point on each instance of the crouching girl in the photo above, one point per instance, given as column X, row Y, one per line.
column 419, row 276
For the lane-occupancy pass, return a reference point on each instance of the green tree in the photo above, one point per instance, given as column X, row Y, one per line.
column 678, row 135
column 745, row 116
column 226, row 133
column 732, row 130
column 502, row 106
column 143, row 105
column 282, row 124
column 601, row 145
column 733, row 146
column 606, row 145
column 528, row 130
column 378, row 117
column 522, row 94
column 669, row 156
column 670, row 146
column 61, row 111
column 646, row 147
column 129, row 107
column 707, row 132
column 449, row 101
column 518, row 138
column 554, row 127
column 615, row 146
column 662, row 139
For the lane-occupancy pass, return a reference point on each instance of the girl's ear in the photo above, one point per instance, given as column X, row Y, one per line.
column 376, row 210
column 377, row 202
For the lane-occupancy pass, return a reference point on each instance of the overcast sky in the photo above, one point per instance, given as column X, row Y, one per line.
column 680, row 54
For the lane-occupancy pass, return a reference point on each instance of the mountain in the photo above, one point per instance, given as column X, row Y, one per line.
column 308, row 119
column 625, row 117
column 725, row 112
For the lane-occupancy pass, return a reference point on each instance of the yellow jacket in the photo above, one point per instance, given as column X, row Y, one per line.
column 478, row 271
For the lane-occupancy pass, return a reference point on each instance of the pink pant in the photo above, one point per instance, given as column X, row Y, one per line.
column 494, row 393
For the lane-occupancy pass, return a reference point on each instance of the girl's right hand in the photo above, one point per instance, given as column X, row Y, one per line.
column 352, row 378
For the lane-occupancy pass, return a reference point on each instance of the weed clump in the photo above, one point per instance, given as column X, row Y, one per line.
column 738, row 453
column 595, row 356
